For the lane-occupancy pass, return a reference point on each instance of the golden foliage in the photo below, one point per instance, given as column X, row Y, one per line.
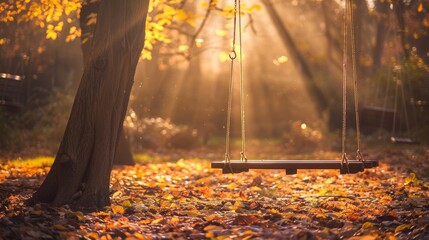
column 166, row 18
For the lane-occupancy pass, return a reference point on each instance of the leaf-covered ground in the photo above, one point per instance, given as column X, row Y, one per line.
column 186, row 199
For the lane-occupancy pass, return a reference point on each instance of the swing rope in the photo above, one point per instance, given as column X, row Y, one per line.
column 344, row 159
column 356, row 93
column 233, row 56
column 348, row 20
column 242, row 114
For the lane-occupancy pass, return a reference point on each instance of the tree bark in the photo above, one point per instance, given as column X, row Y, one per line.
column 399, row 12
column 318, row 97
column 382, row 8
column 80, row 174
column 331, row 42
column 123, row 154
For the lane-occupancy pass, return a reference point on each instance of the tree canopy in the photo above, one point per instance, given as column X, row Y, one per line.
column 170, row 22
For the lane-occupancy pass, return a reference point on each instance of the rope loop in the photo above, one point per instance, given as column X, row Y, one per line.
column 233, row 55
column 345, row 161
column 359, row 156
column 243, row 157
column 227, row 158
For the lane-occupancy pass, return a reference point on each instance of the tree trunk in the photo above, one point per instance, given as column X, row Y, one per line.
column 80, row 174
column 309, row 81
column 382, row 9
column 399, row 12
column 123, row 154
column 331, row 42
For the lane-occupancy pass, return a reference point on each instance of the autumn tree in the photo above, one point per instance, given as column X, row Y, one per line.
column 113, row 33
column 81, row 172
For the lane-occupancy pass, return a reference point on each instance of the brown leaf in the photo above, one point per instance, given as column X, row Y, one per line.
column 60, row 227
column 257, row 181
column 246, row 219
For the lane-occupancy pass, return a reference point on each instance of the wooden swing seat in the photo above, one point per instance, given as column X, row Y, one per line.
column 291, row 166
column 399, row 140
column 11, row 89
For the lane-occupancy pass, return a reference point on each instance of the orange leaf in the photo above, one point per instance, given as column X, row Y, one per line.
column 118, row 209
column 403, row 227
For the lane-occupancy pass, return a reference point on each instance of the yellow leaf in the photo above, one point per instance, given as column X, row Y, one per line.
column 139, row 235
column 191, row 22
column 403, row 227
column 324, row 192
column 117, row 194
column 59, row 27
column 72, row 30
column 126, row 204
column 411, row 179
column 181, row 15
column 367, row 225
column 175, row 219
column 51, row 34
column 157, row 221
column 168, row 197
column 117, row 209
column 91, row 19
column 169, row 10
column 146, row 54
column 232, row 186
column 255, row 7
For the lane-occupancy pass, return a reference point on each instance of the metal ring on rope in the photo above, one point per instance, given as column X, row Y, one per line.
column 233, row 55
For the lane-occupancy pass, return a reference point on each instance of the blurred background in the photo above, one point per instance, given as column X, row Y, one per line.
column 292, row 59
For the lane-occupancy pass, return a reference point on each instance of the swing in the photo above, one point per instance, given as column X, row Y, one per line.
column 392, row 118
column 291, row 166
column 394, row 137
column 10, row 89
column 12, row 81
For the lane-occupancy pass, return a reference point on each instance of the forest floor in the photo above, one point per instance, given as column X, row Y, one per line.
column 185, row 199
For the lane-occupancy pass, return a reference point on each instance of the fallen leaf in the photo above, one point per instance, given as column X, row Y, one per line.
column 246, row 219
column 367, row 225
column 403, row 227
column 60, row 227
column 411, row 180
column 117, row 209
